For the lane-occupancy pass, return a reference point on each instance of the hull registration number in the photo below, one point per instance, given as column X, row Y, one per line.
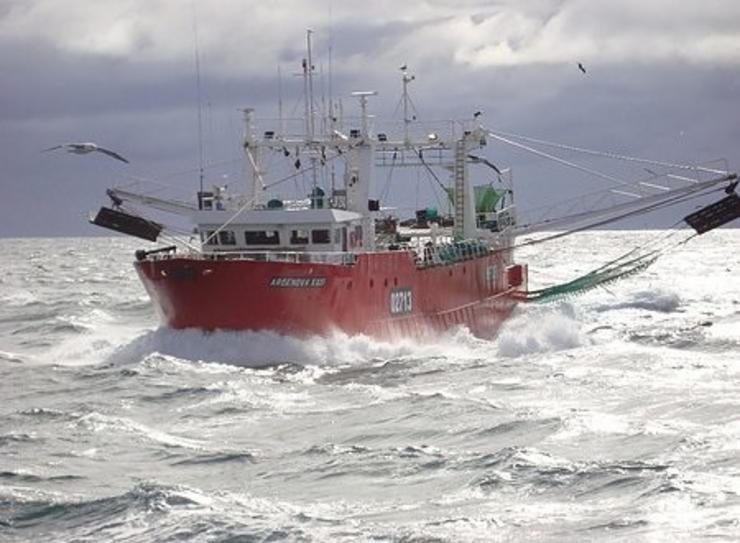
column 401, row 301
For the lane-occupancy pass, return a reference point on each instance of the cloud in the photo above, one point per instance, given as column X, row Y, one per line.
column 253, row 36
column 121, row 72
column 604, row 33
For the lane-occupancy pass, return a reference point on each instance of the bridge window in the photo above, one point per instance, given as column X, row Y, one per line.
column 262, row 237
column 299, row 237
column 209, row 238
column 227, row 237
column 320, row 236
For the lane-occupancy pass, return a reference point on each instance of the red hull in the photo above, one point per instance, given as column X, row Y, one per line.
column 381, row 294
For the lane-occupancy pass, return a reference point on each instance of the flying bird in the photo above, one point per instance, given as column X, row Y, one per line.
column 580, row 67
column 85, row 148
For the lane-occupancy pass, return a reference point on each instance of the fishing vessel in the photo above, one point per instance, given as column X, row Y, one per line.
column 335, row 258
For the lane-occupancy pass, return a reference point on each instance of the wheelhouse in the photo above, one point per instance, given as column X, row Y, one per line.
column 301, row 230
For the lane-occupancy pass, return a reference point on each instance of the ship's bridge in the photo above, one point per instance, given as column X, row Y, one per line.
column 295, row 230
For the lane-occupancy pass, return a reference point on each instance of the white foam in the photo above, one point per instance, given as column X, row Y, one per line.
column 92, row 347
column 256, row 349
column 593, row 422
column 97, row 422
column 18, row 298
column 541, row 329
column 656, row 299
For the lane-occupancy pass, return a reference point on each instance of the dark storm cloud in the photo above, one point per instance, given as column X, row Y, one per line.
column 662, row 82
column 42, row 82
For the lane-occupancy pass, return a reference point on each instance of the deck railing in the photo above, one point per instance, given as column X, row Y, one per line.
column 450, row 253
column 426, row 256
column 337, row 258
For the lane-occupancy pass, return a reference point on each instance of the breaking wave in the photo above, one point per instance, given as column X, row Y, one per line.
column 265, row 348
column 541, row 329
column 659, row 300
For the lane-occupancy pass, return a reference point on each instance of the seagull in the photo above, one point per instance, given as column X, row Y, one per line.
column 85, row 148
column 580, row 67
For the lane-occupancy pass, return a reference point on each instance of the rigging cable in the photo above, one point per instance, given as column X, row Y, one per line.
column 387, row 187
column 634, row 261
column 562, row 161
column 606, row 154
column 434, row 175
column 666, row 203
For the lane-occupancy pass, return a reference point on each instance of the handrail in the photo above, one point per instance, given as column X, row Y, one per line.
column 450, row 253
column 337, row 258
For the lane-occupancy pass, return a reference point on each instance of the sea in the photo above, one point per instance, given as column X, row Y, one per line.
column 609, row 416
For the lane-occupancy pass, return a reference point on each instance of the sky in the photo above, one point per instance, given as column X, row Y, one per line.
column 662, row 81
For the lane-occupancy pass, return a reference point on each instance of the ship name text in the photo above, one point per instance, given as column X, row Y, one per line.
column 298, row 282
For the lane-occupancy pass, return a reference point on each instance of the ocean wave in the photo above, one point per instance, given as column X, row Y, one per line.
column 18, row 437
column 541, row 329
column 522, row 430
column 54, row 327
column 57, row 512
column 93, row 345
column 192, row 392
column 32, row 314
column 265, row 349
column 25, row 476
column 19, row 298
column 658, row 299
column 217, row 458
column 45, row 413
column 14, row 358
column 528, row 470
column 98, row 422
column 152, row 511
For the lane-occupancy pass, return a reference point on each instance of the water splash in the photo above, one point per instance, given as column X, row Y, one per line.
column 536, row 330
column 265, row 348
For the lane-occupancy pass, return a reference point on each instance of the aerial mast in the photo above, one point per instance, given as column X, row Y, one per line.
column 281, row 114
column 406, row 101
column 310, row 106
column 199, row 99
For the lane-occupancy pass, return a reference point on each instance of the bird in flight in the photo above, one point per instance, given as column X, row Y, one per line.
column 85, row 148
column 580, row 67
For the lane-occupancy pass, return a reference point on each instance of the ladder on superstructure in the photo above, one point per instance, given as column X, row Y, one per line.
column 459, row 197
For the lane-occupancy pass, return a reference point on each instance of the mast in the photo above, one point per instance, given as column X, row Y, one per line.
column 199, row 99
column 406, row 79
column 254, row 156
column 281, row 115
column 310, row 107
